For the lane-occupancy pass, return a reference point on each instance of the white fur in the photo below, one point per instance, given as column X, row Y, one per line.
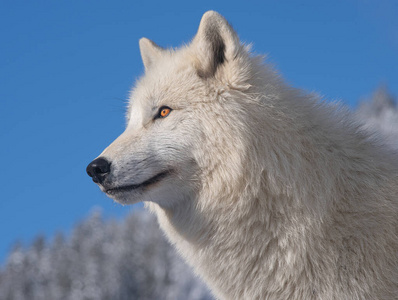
column 272, row 194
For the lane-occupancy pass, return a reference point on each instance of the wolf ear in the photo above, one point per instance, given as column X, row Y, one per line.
column 150, row 52
column 216, row 43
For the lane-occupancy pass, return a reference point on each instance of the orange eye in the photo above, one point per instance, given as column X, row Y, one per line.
column 164, row 111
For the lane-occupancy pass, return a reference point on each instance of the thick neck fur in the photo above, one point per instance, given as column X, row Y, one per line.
column 279, row 216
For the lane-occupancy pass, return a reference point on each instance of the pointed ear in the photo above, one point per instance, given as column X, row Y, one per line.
column 150, row 52
column 216, row 43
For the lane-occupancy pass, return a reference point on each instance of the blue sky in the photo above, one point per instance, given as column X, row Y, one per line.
column 66, row 68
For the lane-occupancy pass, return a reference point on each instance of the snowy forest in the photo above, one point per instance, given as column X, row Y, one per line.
column 130, row 258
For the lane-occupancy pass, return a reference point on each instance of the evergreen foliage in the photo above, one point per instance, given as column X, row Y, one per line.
column 130, row 259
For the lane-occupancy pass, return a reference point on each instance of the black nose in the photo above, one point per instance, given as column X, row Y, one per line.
column 98, row 169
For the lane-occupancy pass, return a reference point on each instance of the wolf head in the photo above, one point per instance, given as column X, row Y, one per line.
column 186, row 123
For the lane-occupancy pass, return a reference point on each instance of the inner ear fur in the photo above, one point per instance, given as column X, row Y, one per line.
column 215, row 42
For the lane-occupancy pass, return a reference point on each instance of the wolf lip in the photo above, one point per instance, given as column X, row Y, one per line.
column 131, row 187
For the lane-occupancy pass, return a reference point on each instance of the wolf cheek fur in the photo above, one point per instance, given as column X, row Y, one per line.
column 267, row 192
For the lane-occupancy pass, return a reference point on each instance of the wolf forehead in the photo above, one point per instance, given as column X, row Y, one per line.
column 169, row 83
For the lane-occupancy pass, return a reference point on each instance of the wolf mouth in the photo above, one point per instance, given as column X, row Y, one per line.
column 127, row 188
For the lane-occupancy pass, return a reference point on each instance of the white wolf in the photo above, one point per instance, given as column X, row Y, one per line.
column 266, row 191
